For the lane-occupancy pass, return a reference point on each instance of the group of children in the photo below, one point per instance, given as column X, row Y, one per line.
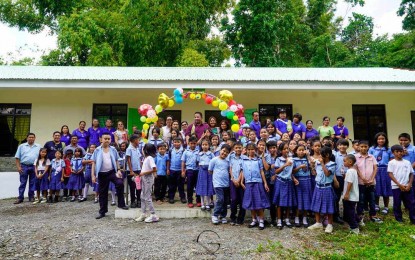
column 291, row 178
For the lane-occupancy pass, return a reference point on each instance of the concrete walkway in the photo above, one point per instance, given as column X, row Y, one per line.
column 9, row 185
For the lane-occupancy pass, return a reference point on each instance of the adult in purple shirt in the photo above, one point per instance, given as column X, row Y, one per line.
column 297, row 126
column 281, row 124
column 310, row 132
column 108, row 129
column 340, row 131
column 65, row 135
column 82, row 134
column 54, row 145
column 198, row 127
column 255, row 124
column 94, row 133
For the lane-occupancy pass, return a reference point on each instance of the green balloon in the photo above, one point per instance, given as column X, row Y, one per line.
column 230, row 114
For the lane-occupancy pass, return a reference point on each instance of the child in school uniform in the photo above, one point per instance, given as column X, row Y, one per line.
column 87, row 163
column 340, row 154
column 76, row 180
column 355, row 146
column 351, row 194
column 219, row 168
column 302, row 172
column 402, row 174
column 323, row 201
column 269, row 171
column 255, row 185
column 133, row 157
column 237, row 192
column 156, row 140
column 160, row 183
column 190, row 170
column 215, row 148
column 204, row 187
column 408, row 150
column 314, row 157
column 56, row 175
column 380, row 150
column 176, row 181
column 41, row 183
column 66, row 174
column 284, row 193
column 366, row 170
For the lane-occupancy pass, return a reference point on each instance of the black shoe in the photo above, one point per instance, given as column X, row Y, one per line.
column 73, row 199
column 339, row 220
column 83, row 199
column 171, row 201
column 124, row 208
column 279, row 226
column 288, row 224
column 253, row 224
column 133, row 205
column 100, row 216
column 139, row 204
column 31, row 200
column 297, row 225
column 183, row 200
column 18, row 201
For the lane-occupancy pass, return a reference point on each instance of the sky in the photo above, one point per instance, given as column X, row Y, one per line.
column 15, row 44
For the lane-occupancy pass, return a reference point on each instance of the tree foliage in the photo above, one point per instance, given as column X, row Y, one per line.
column 407, row 10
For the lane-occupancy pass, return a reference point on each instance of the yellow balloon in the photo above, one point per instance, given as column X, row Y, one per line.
column 154, row 119
column 226, row 95
column 223, row 106
column 235, row 118
column 143, row 119
column 215, row 103
column 235, row 128
column 198, row 96
column 146, row 126
column 171, row 103
column 192, row 96
column 163, row 100
column 148, row 120
column 158, row 108
column 145, row 140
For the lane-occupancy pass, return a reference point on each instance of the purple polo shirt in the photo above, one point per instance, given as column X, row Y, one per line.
column 199, row 129
column 66, row 139
column 281, row 125
column 338, row 130
column 256, row 126
column 311, row 133
column 94, row 136
column 298, row 128
column 110, row 131
column 83, row 137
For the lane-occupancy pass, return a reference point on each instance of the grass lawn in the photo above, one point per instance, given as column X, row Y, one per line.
column 390, row 240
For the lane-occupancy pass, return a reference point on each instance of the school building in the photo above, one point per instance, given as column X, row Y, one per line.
column 42, row 99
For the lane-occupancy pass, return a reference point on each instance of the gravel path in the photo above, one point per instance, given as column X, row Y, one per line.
column 69, row 231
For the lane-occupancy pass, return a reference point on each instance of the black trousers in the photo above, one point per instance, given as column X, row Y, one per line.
column 160, row 187
column 104, row 179
column 134, row 193
column 338, row 191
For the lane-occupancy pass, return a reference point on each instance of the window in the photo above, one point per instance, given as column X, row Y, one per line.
column 271, row 111
column 115, row 112
column 368, row 120
column 14, row 126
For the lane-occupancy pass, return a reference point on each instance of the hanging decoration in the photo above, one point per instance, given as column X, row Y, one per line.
column 229, row 108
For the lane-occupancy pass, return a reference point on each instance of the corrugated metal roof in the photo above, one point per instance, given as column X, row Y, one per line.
column 206, row 74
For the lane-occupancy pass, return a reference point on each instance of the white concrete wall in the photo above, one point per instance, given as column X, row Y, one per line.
column 54, row 107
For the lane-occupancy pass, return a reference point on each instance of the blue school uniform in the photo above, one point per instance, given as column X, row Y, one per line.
column 161, row 163
column 284, row 192
column 303, row 189
column 255, row 197
column 176, row 159
column 135, row 154
column 156, row 142
column 340, row 169
column 204, row 186
column 189, row 157
column 88, row 169
column 323, row 197
column 220, row 172
column 56, row 174
column 235, row 162
column 383, row 181
column 410, row 156
column 76, row 181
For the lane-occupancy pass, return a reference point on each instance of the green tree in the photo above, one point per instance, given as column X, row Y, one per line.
column 407, row 11
column 359, row 31
column 327, row 52
column 192, row 58
column 401, row 51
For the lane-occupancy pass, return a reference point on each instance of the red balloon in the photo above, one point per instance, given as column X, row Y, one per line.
column 142, row 110
column 208, row 100
column 232, row 102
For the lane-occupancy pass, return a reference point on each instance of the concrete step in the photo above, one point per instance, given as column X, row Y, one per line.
column 165, row 212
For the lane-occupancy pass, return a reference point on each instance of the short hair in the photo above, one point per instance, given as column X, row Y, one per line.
column 82, row 122
column 199, row 113
column 405, row 135
column 134, row 137
column 340, row 117
column 256, row 111
column 272, row 144
column 138, row 132
column 101, row 135
column 227, row 147
column 155, row 129
column 299, row 116
column 351, row 157
column 69, row 151
column 355, row 141
column 232, row 139
column 396, row 147
column 326, row 117
column 74, row 136
column 251, row 145
column 193, row 139
column 29, row 134
column 162, row 144
column 311, row 121
column 343, row 142
column 177, row 139
column 365, row 142
column 239, row 143
column 327, row 138
column 56, row 132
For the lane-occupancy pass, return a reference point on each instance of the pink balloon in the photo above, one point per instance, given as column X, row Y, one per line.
column 242, row 120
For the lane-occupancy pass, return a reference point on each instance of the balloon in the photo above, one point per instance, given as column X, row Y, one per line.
column 198, row 96
column 155, row 119
column 142, row 110
column 235, row 118
column 158, row 108
column 242, row 120
column 235, row 128
column 143, row 134
column 145, row 141
column 204, row 95
column 143, row 119
column 215, row 103
column 179, row 100
column 240, row 133
column 223, row 106
column 171, row 103
column 192, row 96
column 232, row 102
column 223, row 113
column 225, row 95
column 163, row 100
column 208, row 100
column 151, row 113
column 177, row 92
column 146, row 126
column 148, row 120
column 233, row 108
column 230, row 114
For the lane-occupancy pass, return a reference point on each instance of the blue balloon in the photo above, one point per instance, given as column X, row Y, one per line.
column 223, row 113
column 176, row 92
column 178, row 100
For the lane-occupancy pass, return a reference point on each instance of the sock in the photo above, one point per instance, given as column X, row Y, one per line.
column 86, row 189
column 297, row 220
column 113, row 196
column 305, row 220
column 254, row 220
column 208, row 201
column 202, row 200
column 287, row 220
column 279, row 221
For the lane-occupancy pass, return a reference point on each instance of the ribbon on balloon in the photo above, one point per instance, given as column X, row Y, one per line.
column 224, row 101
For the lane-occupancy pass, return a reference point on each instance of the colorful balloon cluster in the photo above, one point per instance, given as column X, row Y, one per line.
column 227, row 105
